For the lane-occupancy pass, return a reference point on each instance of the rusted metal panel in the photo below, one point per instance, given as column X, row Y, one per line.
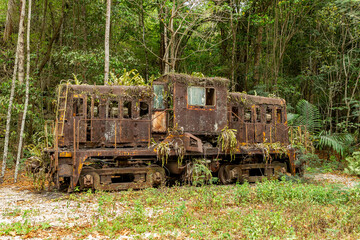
column 281, row 133
column 249, row 133
column 259, row 130
column 65, row 170
column 142, row 131
column 112, row 131
column 159, row 122
column 199, row 119
column 269, row 133
column 127, row 131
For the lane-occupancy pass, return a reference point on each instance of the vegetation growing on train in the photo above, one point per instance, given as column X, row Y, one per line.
column 227, row 141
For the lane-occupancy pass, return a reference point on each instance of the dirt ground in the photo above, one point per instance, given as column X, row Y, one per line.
column 65, row 217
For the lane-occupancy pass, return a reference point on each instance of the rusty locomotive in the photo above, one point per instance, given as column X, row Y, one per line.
column 109, row 137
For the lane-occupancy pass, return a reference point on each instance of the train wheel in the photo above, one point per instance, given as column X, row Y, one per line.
column 90, row 180
column 229, row 174
column 156, row 177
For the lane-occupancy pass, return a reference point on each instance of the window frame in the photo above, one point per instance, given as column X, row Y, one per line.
column 164, row 96
column 109, row 102
column 131, row 114
column 205, row 95
column 146, row 116
column 83, row 106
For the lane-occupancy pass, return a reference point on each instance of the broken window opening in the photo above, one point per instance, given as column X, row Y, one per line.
column 158, row 102
column 78, row 107
column 278, row 116
column 144, row 110
column 88, row 107
column 200, row 96
column 268, row 115
column 210, row 97
column 258, row 114
column 127, row 109
column 235, row 114
column 96, row 107
column 247, row 115
column 113, row 109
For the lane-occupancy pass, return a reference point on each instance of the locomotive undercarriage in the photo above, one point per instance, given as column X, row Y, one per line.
column 102, row 171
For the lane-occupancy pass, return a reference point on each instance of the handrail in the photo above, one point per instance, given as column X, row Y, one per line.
column 77, row 123
column 301, row 134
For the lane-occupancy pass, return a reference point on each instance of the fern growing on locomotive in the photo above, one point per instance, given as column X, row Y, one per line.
column 121, row 137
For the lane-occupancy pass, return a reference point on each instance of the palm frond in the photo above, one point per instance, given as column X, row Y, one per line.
column 291, row 118
column 335, row 141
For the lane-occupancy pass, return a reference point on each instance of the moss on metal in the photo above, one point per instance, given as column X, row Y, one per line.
column 196, row 80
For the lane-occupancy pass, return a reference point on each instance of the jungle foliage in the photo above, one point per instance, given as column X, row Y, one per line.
column 308, row 49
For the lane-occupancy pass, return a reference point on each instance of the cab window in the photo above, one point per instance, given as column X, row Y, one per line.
column 158, row 101
column 200, row 96
column 78, row 107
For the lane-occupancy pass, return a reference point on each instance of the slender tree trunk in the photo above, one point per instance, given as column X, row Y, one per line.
column 257, row 55
column 9, row 20
column 55, row 36
column 144, row 42
column 162, row 40
column 85, row 26
column 223, row 35
column 21, row 51
column 107, row 38
column 166, row 53
column 172, row 60
column 12, row 91
column 42, row 31
column 247, row 62
column 233, row 52
column 26, row 94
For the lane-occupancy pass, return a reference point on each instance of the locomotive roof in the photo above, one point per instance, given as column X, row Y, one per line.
column 103, row 89
column 192, row 80
column 127, row 92
column 235, row 96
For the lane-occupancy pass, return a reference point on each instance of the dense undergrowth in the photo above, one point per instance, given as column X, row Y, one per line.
column 270, row 209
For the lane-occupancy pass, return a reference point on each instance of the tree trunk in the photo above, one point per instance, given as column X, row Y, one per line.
column 26, row 93
column 172, row 60
column 21, row 51
column 42, row 32
column 12, row 91
column 144, row 42
column 9, row 20
column 55, row 35
column 162, row 40
column 107, row 37
column 257, row 55
column 233, row 52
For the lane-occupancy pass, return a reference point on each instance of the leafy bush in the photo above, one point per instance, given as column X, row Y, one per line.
column 128, row 78
column 354, row 164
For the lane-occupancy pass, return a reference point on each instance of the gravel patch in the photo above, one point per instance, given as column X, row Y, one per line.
column 347, row 181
